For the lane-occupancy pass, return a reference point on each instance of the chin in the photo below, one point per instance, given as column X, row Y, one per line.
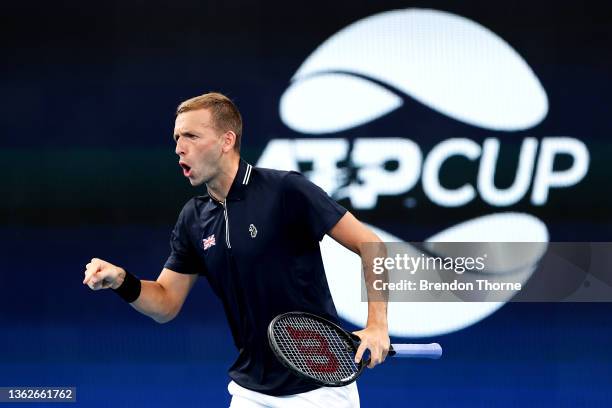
column 196, row 183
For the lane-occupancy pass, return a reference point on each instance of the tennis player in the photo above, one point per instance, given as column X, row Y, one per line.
column 255, row 237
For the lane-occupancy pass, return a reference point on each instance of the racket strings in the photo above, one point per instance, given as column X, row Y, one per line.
column 316, row 349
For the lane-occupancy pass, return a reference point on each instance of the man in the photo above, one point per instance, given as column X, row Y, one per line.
column 255, row 237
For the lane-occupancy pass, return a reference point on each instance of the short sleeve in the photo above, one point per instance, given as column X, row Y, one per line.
column 183, row 256
column 308, row 205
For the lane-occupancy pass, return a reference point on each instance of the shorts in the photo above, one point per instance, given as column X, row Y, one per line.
column 324, row 397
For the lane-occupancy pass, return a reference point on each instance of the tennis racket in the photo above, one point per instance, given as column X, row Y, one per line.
column 321, row 351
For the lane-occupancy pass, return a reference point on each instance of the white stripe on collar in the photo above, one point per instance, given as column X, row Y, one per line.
column 247, row 174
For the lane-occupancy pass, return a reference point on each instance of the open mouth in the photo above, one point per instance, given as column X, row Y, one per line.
column 186, row 169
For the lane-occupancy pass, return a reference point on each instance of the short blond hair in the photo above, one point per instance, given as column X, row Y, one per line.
column 224, row 113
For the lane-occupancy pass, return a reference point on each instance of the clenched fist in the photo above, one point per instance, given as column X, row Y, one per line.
column 100, row 274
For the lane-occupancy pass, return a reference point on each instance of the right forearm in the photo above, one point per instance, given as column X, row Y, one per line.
column 161, row 299
column 155, row 302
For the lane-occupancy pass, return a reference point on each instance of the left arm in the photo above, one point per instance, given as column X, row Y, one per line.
column 353, row 235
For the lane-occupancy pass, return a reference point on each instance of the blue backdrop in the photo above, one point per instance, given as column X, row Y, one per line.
column 88, row 169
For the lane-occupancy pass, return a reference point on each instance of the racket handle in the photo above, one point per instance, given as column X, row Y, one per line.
column 432, row 350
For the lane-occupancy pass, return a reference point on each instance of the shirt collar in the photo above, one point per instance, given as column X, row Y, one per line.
column 241, row 181
column 239, row 184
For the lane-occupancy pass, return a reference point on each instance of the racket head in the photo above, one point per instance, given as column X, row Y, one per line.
column 315, row 348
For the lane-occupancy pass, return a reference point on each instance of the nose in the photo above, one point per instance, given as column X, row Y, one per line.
column 180, row 148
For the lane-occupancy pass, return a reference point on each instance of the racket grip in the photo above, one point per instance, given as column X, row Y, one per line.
column 432, row 350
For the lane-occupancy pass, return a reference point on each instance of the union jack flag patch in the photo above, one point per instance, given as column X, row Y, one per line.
column 208, row 242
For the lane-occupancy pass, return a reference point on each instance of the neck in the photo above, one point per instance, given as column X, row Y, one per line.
column 219, row 187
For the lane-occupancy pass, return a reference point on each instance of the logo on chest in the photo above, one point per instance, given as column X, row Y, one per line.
column 253, row 231
column 208, row 242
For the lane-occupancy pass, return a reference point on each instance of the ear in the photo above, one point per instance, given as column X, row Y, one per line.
column 229, row 140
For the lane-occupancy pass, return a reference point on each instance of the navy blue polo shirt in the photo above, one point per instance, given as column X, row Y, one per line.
column 259, row 250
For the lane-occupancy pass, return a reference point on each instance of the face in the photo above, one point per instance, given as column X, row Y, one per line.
column 199, row 145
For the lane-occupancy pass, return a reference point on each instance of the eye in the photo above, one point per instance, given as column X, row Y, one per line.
column 189, row 136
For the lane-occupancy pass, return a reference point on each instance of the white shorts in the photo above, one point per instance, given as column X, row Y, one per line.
column 324, row 397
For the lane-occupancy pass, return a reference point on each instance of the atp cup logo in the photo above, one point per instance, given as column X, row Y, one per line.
column 456, row 67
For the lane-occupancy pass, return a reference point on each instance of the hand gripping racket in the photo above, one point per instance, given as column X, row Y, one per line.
column 321, row 351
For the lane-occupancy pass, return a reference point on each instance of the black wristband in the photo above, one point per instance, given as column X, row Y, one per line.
column 129, row 290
